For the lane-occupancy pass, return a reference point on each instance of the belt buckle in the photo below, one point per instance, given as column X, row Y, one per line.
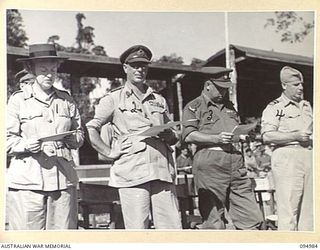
column 49, row 150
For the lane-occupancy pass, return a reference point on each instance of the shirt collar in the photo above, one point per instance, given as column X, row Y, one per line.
column 129, row 90
column 287, row 101
column 207, row 101
column 30, row 92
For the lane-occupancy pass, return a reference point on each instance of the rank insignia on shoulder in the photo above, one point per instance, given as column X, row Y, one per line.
column 192, row 109
column 115, row 89
column 128, row 94
column 156, row 104
column 194, row 105
column 274, row 102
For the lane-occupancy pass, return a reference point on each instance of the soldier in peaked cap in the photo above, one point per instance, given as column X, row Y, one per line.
column 41, row 177
column 218, row 167
column 287, row 124
column 143, row 168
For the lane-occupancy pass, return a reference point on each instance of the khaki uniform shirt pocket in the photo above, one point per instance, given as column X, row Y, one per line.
column 134, row 165
column 208, row 125
column 25, row 171
column 291, row 122
column 63, row 117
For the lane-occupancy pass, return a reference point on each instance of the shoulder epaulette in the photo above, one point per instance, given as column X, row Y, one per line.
column 63, row 91
column 274, row 102
column 229, row 104
column 63, row 94
column 116, row 89
column 16, row 92
column 194, row 105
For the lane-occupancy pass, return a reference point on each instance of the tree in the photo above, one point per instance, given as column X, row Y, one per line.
column 85, row 35
column 159, row 85
column 16, row 35
column 173, row 58
column 197, row 63
column 99, row 51
column 84, row 44
column 290, row 25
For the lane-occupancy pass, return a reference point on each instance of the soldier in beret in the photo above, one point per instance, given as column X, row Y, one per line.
column 218, row 167
column 287, row 124
column 143, row 167
column 41, row 177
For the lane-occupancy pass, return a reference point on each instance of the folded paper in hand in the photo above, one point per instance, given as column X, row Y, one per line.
column 155, row 130
column 244, row 129
column 57, row 137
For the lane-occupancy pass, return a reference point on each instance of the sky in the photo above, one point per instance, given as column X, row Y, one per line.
column 187, row 34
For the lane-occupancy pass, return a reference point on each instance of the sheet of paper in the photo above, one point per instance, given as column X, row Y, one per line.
column 244, row 129
column 57, row 137
column 155, row 130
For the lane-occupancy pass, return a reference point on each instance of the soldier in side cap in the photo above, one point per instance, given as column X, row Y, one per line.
column 218, row 167
column 24, row 78
column 42, row 180
column 143, row 167
column 287, row 124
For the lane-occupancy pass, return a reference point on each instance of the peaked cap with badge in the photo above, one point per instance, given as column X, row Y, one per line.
column 136, row 53
column 290, row 75
column 218, row 75
column 42, row 51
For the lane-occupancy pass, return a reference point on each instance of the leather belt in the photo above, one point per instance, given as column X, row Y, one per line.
column 221, row 147
column 56, row 148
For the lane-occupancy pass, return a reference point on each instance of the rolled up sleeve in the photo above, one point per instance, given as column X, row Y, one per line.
column 76, row 125
column 269, row 120
column 15, row 142
column 103, row 113
column 190, row 123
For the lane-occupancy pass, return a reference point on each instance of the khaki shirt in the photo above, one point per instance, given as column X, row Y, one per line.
column 149, row 158
column 28, row 116
column 208, row 117
column 284, row 115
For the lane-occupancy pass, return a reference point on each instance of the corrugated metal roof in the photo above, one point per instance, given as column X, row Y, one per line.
column 266, row 55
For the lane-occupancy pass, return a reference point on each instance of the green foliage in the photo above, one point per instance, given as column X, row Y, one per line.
column 16, row 36
column 290, row 26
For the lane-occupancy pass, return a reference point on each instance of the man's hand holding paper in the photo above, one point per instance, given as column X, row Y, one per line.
column 244, row 129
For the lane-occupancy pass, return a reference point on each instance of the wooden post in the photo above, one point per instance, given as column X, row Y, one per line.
column 170, row 97
column 75, row 89
column 233, row 89
column 180, row 100
column 230, row 63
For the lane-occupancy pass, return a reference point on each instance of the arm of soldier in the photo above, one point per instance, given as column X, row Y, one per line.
column 170, row 136
column 16, row 144
column 270, row 133
column 209, row 139
column 191, row 133
column 278, row 137
column 118, row 148
column 103, row 114
column 76, row 140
